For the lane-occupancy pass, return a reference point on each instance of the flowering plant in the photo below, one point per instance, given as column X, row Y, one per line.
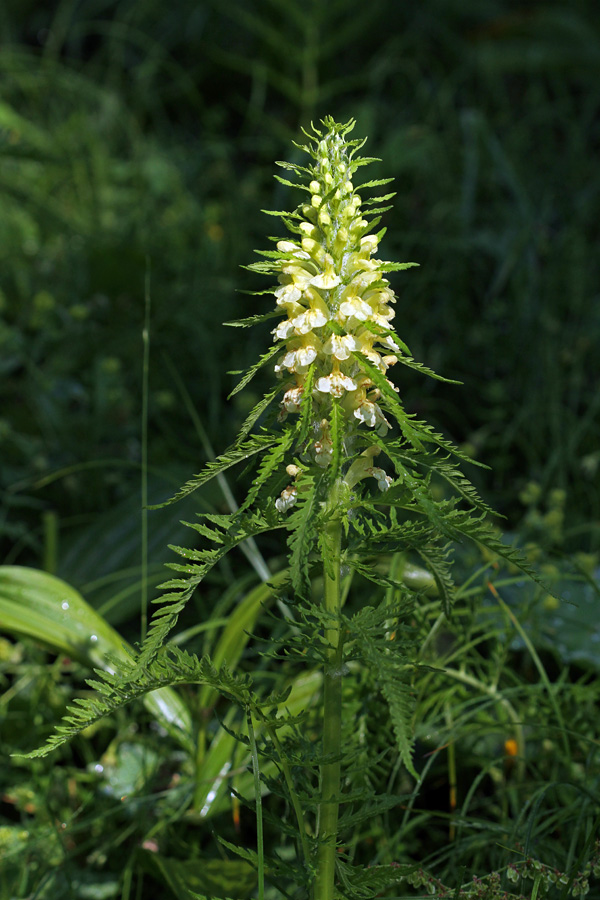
column 349, row 475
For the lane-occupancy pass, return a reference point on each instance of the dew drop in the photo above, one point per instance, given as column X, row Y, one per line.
column 64, row 604
column 99, row 768
column 93, row 638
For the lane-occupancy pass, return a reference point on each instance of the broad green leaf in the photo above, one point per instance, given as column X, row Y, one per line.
column 218, row 878
column 129, row 769
column 236, row 634
column 38, row 605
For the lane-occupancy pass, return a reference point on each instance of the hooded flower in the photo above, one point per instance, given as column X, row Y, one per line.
column 336, row 301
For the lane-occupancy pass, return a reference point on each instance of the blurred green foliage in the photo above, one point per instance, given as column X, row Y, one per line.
column 136, row 143
column 136, row 147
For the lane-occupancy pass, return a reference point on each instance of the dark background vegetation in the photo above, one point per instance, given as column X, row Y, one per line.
column 137, row 148
column 138, row 139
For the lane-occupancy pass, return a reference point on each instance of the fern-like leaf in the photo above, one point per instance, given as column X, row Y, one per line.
column 251, row 372
column 386, row 660
column 249, row 321
column 256, row 412
column 452, row 475
column 303, row 534
column 396, row 267
column 362, row 883
column 403, row 418
column 113, row 692
column 307, row 406
column 240, row 529
column 437, row 561
column 270, row 464
column 293, row 184
column 483, row 533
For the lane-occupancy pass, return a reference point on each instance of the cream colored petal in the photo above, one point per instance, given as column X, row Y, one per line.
column 362, row 281
column 383, row 480
column 368, row 243
column 306, row 355
column 312, row 318
column 323, row 453
column 284, row 329
column 289, row 360
column 294, row 249
column 366, row 413
column 292, row 398
column 288, row 293
column 327, row 281
column 356, row 308
column 341, row 346
column 287, row 499
column 339, row 384
column 300, row 276
column 390, row 343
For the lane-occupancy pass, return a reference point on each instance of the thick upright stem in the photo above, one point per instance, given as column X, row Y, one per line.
column 332, row 719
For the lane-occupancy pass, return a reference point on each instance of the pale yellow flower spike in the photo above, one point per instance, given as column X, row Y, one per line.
column 336, row 301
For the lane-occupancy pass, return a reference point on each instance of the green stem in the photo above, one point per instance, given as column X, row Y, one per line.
column 200, row 754
column 332, row 716
column 145, row 395
column 50, row 525
column 260, row 847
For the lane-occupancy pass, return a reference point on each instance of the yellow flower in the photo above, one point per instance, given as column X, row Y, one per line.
column 336, row 302
column 341, row 346
column 336, row 384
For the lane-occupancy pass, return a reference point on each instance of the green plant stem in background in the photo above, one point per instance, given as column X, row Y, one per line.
column 50, row 525
column 295, row 801
column 258, row 800
column 332, row 712
column 144, row 485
